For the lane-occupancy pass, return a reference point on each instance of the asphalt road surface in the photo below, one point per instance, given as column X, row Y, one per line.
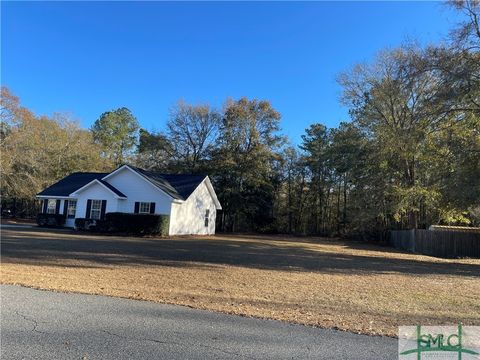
column 48, row 325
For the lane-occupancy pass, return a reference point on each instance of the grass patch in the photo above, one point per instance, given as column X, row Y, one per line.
column 314, row 281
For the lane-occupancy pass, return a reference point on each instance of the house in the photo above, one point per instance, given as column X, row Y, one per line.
column 189, row 200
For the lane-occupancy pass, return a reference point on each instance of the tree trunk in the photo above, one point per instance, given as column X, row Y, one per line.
column 289, row 201
column 344, row 220
column 338, row 204
column 412, row 213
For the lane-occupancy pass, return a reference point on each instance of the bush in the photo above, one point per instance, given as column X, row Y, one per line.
column 142, row 224
column 138, row 224
column 85, row 224
column 50, row 220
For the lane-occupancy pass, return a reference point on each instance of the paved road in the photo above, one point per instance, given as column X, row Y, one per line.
column 47, row 325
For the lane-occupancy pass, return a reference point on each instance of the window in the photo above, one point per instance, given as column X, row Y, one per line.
column 51, row 206
column 144, row 208
column 96, row 209
column 72, row 208
column 207, row 215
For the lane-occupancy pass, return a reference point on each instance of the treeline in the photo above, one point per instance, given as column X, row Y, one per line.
column 38, row 150
column 409, row 156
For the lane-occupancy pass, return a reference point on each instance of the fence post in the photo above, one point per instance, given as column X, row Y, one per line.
column 412, row 240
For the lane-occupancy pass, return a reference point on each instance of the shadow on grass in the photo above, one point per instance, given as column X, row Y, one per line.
column 40, row 247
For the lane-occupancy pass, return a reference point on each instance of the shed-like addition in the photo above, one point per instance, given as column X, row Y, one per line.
column 189, row 200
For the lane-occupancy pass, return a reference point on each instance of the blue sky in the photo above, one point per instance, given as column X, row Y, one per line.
column 85, row 58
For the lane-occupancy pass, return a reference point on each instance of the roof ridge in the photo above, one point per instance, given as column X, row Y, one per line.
column 88, row 172
column 176, row 189
column 70, row 183
column 164, row 173
column 173, row 174
column 111, row 187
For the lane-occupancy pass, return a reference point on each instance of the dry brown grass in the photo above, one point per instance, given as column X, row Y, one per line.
column 335, row 284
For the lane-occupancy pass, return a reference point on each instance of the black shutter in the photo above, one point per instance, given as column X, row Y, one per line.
column 152, row 208
column 89, row 206
column 104, row 207
column 137, row 207
column 57, row 207
column 45, row 205
column 65, row 207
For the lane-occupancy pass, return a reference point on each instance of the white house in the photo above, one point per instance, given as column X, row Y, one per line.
column 189, row 200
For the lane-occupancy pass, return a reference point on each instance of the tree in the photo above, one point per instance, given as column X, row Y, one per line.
column 117, row 132
column 11, row 113
column 37, row 151
column 245, row 163
column 467, row 34
column 155, row 151
column 315, row 144
column 347, row 154
column 454, row 171
column 292, row 195
column 192, row 131
column 392, row 100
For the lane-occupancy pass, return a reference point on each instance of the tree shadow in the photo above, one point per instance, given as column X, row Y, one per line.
column 70, row 249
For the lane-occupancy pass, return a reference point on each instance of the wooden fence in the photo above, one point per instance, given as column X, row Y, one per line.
column 446, row 244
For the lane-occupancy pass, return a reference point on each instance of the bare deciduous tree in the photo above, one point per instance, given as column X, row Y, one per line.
column 192, row 130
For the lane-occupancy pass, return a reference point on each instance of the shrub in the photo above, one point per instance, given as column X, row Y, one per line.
column 50, row 220
column 142, row 224
column 85, row 224
column 139, row 224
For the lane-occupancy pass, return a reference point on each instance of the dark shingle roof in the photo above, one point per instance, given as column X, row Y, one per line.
column 114, row 189
column 177, row 186
column 71, row 183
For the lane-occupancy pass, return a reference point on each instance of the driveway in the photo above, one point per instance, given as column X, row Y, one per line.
column 48, row 325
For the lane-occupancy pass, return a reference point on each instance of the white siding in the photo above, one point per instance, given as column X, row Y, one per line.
column 95, row 192
column 135, row 189
column 68, row 222
column 189, row 216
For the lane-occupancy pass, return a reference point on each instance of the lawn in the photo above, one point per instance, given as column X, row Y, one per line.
column 315, row 281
